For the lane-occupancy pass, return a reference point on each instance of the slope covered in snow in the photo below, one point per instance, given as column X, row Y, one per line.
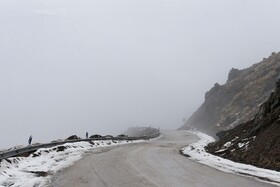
column 38, row 168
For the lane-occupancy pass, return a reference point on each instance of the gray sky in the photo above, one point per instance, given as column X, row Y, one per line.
column 71, row 66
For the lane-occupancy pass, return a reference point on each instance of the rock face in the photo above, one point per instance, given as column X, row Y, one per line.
column 256, row 142
column 238, row 100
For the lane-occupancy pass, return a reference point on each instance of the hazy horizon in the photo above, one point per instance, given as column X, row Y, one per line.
column 101, row 66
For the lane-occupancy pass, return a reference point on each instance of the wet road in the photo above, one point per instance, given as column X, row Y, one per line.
column 154, row 163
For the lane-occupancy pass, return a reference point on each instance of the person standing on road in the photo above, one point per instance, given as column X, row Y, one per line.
column 30, row 140
column 86, row 135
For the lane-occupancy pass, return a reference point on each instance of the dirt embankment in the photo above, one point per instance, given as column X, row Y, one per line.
column 256, row 142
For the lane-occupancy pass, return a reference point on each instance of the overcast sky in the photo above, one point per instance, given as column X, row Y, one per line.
column 71, row 66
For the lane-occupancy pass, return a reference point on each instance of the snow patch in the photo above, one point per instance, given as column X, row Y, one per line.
column 37, row 169
column 228, row 144
column 241, row 145
column 197, row 152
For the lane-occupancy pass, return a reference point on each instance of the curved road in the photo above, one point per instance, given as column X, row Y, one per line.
column 155, row 163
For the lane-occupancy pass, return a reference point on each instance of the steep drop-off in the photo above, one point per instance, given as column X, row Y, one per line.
column 238, row 100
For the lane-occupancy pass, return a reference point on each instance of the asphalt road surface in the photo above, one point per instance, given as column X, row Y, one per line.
column 154, row 163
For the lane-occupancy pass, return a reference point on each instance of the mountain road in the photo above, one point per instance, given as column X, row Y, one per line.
column 153, row 163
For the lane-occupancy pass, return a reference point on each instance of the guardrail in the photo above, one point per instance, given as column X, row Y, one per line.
column 15, row 152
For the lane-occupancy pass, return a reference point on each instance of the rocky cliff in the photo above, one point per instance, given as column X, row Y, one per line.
column 256, row 142
column 238, row 100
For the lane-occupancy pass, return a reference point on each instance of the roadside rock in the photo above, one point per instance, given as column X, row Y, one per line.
column 73, row 137
column 95, row 136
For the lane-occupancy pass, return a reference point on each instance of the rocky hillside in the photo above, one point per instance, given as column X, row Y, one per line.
column 238, row 100
column 256, row 142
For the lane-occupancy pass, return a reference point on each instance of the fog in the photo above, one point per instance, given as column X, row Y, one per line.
column 72, row 66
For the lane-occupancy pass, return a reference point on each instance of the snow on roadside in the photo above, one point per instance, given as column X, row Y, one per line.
column 197, row 152
column 36, row 169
